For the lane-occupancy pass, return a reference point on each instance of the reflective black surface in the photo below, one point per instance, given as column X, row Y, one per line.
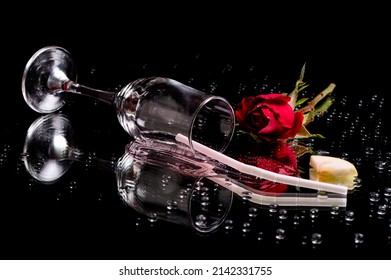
column 82, row 216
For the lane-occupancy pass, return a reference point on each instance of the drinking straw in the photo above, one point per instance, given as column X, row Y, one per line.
column 309, row 200
column 260, row 172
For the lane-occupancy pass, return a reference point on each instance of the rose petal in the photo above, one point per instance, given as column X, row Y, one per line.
column 276, row 98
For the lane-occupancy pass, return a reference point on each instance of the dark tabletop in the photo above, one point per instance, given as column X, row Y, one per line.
column 82, row 216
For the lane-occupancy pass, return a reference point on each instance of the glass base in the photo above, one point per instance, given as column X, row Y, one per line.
column 44, row 77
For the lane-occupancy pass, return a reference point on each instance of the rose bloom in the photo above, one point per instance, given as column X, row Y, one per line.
column 269, row 116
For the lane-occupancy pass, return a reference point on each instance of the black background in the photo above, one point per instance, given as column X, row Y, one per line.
column 81, row 217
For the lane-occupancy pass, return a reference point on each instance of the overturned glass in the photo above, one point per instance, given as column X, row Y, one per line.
column 152, row 107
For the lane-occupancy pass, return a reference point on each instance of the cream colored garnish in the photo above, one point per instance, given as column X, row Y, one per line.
column 333, row 170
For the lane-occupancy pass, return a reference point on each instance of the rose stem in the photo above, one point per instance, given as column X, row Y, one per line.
column 311, row 104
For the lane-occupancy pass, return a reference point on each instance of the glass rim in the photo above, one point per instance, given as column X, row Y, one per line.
column 196, row 113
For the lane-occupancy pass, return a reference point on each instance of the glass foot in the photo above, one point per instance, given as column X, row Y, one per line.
column 44, row 78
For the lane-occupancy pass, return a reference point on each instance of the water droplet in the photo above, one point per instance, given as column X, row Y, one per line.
column 72, row 186
column 92, row 71
column 349, row 216
column 138, row 222
column 334, row 210
column 303, row 215
column 31, row 183
column 199, row 184
column 358, row 238
column 282, row 214
column 59, row 197
column 205, row 206
column 316, row 239
column 90, row 160
column 228, row 224
column 381, row 165
column 165, row 179
column 280, row 234
column 260, row 236
column 200, row 220
column 387, row 192
column 252, row 212
column 369, row 151
column 152, row 217
column 273, row 208
column 296, row 220
column 382, row 210
column 374, row 196
column 246, row 227
column 172, row 205
column 314, row 213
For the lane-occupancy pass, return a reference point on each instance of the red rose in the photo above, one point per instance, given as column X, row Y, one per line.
column 269, row 116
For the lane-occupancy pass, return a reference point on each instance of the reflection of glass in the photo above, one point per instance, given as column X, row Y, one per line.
column 175, row 187
column 162, row 180
column 171, row 186
column 154, row 107
column 49, row 149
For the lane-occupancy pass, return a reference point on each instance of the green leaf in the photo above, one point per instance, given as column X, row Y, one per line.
column 309, row 117
column 324, row 106
column 301, row 77
column 303, row 133
column 301, row 101
column 300, row 85
column 305, row 118
column 317, row 135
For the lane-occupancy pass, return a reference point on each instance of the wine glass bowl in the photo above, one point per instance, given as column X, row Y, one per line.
column 151, row 107
column 174, row 108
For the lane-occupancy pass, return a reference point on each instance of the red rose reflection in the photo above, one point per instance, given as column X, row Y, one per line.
column 281, row 160
column 269, row 116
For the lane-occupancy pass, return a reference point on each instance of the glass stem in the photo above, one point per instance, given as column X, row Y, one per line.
column 92, row 160
column 102, row 95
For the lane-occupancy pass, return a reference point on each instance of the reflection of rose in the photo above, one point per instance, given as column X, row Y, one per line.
column 280, row 159
column 269, row 116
